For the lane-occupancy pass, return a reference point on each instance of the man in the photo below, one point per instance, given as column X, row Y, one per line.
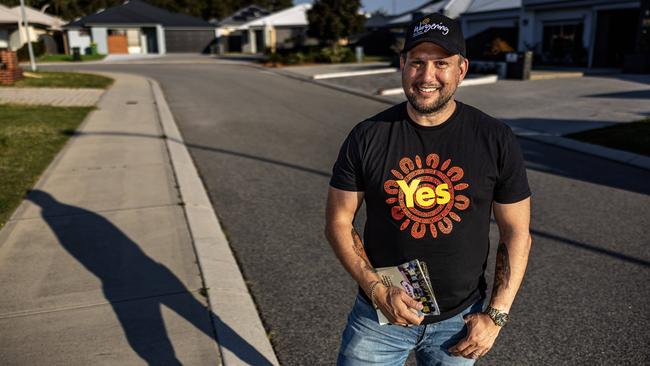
column 430, row 170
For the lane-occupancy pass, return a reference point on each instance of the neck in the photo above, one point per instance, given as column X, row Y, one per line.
column 431, row 119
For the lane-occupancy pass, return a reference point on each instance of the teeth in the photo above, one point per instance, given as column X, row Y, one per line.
column 427, row 90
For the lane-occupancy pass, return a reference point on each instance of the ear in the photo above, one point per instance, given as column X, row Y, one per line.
column 463, row 67
column 402, row 60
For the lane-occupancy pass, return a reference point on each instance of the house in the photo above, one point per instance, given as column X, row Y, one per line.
column 585, row 33
column 228, row 33
column 449, row 8
column 283, row 29
column 491, row 28
column 385, row 33
column 9, row 24
column 593, row 33
column 13, row 34
column 136, row 27
column 43, row 26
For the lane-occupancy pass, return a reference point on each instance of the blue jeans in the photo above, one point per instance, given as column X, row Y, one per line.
column 365, row 342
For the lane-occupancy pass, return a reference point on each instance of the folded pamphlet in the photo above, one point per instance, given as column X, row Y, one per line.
column 412, row 277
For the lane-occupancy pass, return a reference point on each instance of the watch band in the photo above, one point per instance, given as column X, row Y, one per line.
column 499, row 317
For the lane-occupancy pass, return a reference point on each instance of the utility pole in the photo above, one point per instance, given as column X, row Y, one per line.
column 29, row 43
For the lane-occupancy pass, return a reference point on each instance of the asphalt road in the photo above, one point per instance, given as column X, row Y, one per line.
column 264, row 145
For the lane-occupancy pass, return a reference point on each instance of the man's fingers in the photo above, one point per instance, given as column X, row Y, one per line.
column 468, row 317
column 460, row 347
column 411, row 317
column 410, row 302
column 469, row 351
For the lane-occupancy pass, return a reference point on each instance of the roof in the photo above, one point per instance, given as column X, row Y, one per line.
column 479, row 6
column 7, row 16
column 402, row 19
column 294, row 16
column 427, row 8
column 37, row 17
column 244, row 15
column 139, row 12
column 377, row 20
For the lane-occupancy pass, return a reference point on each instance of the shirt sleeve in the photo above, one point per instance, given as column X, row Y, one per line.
column 512, row 183
column 347, row 171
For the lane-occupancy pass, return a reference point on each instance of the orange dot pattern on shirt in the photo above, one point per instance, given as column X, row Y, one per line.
column 426, row 196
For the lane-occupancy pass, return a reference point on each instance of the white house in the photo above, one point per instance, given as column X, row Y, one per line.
column 593, row 33
column 228, row 33
column 9, row 23
column 277, row 30
column 14, row 35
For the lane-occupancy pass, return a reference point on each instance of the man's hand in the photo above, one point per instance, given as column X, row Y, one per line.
column 481, row 334
column 397, row 306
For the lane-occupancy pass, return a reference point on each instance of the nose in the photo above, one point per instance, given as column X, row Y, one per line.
column 429, row 72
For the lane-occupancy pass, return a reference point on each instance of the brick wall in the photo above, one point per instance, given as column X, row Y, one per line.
column 10, row 72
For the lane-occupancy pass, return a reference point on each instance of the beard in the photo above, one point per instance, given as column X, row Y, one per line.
column 446, row 92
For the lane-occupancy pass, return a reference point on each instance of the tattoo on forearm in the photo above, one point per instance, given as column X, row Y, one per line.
column 359, row 250
column 502, row 269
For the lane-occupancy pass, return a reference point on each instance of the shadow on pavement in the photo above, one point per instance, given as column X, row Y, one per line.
column 538, row 156
column 208, row 148
column 589, row 247
column 134, row 284
column 556, row 126
column 541, row 157
column 637, row 94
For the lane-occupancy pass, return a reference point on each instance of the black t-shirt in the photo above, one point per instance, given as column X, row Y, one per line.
column 429, row 193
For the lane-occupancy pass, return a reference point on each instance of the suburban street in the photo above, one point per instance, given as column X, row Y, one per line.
column 264, row 145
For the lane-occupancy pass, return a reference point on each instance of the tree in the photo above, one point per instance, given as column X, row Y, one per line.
column 331, row 20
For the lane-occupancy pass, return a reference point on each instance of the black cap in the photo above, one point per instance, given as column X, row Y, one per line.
column 436, row 28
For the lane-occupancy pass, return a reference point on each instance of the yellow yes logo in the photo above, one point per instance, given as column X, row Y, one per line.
column 424, row 196
column 426, row 21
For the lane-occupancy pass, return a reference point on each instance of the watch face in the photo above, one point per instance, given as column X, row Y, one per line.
column 498, row 317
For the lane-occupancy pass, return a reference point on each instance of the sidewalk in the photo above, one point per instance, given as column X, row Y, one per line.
column 60, row 97
column 106, row 261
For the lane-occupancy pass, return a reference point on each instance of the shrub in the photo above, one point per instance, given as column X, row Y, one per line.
column 38, row 47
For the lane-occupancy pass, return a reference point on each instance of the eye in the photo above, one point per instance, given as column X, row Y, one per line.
column 442, row 64
column 416, row 63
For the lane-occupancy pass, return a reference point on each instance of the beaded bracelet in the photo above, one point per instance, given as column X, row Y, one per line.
column 373, row 287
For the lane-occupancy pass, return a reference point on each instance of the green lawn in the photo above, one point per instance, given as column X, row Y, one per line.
column 30, row 137
column 63, row 80
column 68, row 58
column 633, row 137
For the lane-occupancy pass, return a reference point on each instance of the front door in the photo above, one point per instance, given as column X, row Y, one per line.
column 616, row 34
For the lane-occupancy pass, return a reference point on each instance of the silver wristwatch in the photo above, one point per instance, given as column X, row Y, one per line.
column 499, row 317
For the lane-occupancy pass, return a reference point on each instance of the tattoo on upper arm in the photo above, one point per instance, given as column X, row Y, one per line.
column 359, row 250
column 502, row 269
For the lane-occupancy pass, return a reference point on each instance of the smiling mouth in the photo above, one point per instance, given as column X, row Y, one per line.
column 427, row 89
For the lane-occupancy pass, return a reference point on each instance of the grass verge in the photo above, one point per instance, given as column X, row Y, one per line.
column 30, row 137
column 633, row 137
column 53, row 79
column 68, row 58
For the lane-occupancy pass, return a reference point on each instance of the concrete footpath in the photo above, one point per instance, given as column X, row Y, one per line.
column 60, row 97
column 117, row 258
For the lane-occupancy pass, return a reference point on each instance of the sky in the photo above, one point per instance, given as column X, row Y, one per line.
column 387, row 5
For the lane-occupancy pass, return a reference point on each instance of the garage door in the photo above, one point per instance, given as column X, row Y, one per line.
column 190, row 41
